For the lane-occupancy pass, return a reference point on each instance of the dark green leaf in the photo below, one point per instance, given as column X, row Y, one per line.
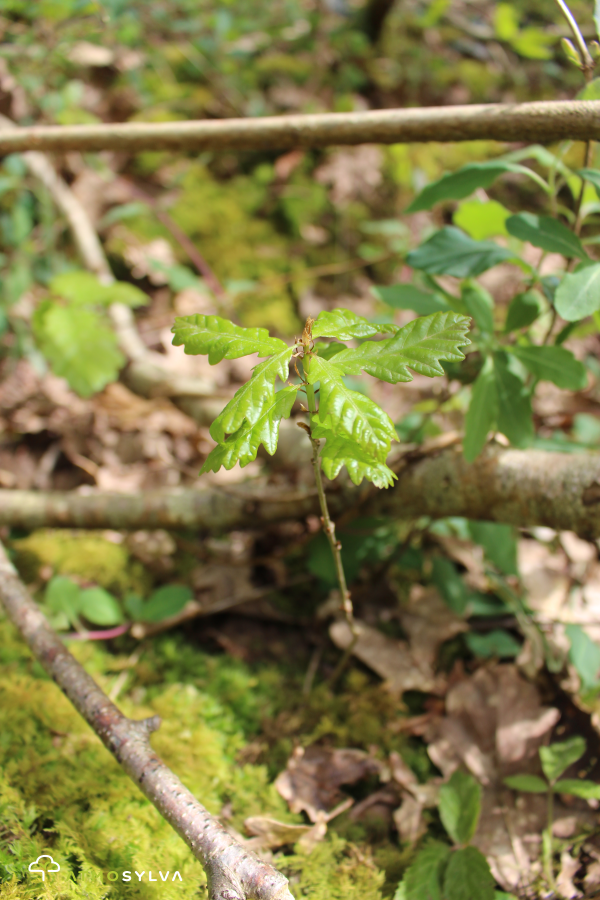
column 242, row 446
column 100, row 607
column 529, row 784
column 423, row 878
column 343, row 451
column 584, row 654
column 406, row 296
column 257, row 393
column 79, row 344
column 460, row 805
column 480, row 305
column 451, row 585
column 499, row 543
column 164, row 602
column 482, row 413
column 547, row 233
column 523, row 310
column 419, row 345
column 557, row 758
column 555, row 364
column 328, row 351
column 62, row 596
column 348, row 413
column 497, row 643
column 578, row 294
column 451, row 252
column 456, row 185
column 514, row 404
column 577, row 787
column 468, row 876
column 221, row 339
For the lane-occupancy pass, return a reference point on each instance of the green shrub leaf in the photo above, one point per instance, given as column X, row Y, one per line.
column 249, row 401
column 349, row 413
column 529, row 784
column 79, row 344
column 451, row 252
column 459, row 184
column 557, row 758
column 62, row 596
column 482, row 413
column 242, row 446
column 584, row 654
column 497, row 643
column 342, row 451
column 480, row 305
column 460, row 805
column 221, row 339
column 407, row 296
column 523, row 310
column 499, row 543
column 468, row 876
column 577, row 787
column 578, row 294
column 420, row 345
column 85, row 289
column 514, row 404
column 547, row 233
column 164, row 602
column 481, row 220
column 100, row 607
column 555, row 364
column 423, row 878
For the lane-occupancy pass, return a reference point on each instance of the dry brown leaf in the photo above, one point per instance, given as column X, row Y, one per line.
column 353, row 173
column 313, row 777
column 269, row 834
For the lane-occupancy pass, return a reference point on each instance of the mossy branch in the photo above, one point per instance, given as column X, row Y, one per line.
column 233, row 872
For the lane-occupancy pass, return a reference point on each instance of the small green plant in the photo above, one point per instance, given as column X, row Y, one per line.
column 460, row 872
column 555, row 760
column 346, row 428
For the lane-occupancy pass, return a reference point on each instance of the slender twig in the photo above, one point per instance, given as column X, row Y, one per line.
column 540, row 122
column 587, row 62
column 232, row 871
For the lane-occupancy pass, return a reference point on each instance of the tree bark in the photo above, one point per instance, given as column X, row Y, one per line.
column 517, row 487
column 540, row 122
column 233, row 872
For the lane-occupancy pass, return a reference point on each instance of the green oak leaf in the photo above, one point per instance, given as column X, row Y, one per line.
column 242, row 446
column 344, row 325
column 249, row 401
column 348, row 412
column 340, row 450
column 420, row 344
column 221, row 339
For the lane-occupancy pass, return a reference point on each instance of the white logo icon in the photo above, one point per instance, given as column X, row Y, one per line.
column 41, row 871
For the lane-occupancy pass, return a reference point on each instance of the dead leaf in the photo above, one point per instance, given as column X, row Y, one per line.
column 313, row 777
column 269, row 834
column 564, row 881
column 353, row 173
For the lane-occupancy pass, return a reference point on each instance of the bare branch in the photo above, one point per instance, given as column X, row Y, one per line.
column 542, row 122
column 233, row 872
column 519, row 487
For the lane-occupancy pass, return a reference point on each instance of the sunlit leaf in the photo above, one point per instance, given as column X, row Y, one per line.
column 221, row 339
column 578, row 787
column 100, row 607
column 84, row 288
column 578, row 294
column 584, row 653
column 481, row 220
column 344, row 325
column 342, row 451
column 557, row 758
column 242, row 446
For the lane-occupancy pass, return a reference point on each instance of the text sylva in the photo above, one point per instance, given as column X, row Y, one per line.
column 140, row 875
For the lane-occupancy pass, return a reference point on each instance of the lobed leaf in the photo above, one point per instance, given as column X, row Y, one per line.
column 547, row 233
column 251, row 399
column 344, row 325
column 451, row 252
column 343, row 451
column 420, row 344
column 221, row 339
column 555, row 364
column 348, row 412
column 242, row 446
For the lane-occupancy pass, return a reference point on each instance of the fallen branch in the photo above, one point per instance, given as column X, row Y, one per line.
column 541, row 122
column 519, row 487
column 233, row 872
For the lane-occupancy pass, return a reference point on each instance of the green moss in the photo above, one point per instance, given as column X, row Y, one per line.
column 333, row 871
column 81, row 553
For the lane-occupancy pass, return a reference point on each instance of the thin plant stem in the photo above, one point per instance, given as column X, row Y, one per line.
column 589, row 153
column 549, row 848
column 586, row 59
